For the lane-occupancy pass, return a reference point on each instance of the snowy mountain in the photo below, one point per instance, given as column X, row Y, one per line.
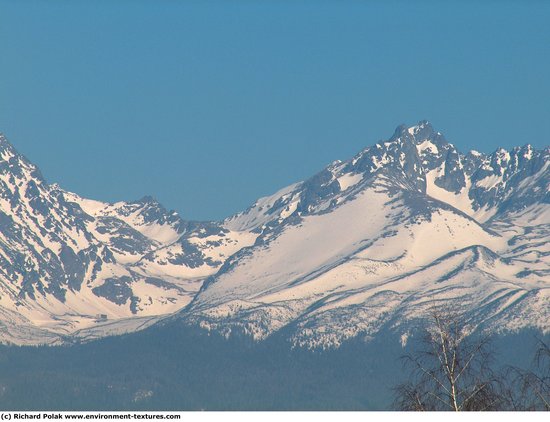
column 368, row 243
column 381, row 238
column 73, row 266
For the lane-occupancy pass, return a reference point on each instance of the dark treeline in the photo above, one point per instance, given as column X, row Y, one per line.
column 178, row 368
column 455, row 367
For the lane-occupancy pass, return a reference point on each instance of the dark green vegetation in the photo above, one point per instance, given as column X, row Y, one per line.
column 178, row 368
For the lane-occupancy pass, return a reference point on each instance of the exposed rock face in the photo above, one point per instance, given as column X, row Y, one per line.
column 375, row 240
column 64, row 259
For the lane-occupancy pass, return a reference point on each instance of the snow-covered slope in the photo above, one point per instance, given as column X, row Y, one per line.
column 404, row 225
column 374, row 241
column 69, row 264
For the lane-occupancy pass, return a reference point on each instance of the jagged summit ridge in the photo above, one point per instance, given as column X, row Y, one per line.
column 416, row 159
column 69, row 264
column 365, row 243
column 393, row 215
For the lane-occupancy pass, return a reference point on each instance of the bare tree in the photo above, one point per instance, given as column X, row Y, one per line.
column 532, row 387
column 451, row 371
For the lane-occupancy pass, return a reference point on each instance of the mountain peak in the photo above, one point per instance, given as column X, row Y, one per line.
column 411, row 210
column 410, row 218
column 422, row 125
column 147, row 200
column 12, row 163
column 418, row 133
column 5, row 144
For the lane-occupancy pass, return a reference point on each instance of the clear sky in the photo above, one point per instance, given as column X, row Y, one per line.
column 208, row 105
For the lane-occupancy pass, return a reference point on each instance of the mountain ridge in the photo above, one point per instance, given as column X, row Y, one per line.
column 319, row 255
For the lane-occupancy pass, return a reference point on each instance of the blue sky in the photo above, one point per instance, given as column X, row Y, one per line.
column 207, row 105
